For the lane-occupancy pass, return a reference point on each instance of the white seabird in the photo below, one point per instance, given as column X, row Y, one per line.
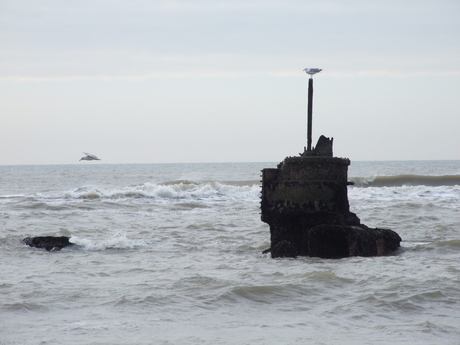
column 312, row 71
column 89, row 157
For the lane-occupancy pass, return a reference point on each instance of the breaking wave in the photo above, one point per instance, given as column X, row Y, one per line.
column 116, row 241
column 170, row 190
column 406, row 180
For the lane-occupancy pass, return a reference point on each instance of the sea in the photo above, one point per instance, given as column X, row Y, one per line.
column 172, row 254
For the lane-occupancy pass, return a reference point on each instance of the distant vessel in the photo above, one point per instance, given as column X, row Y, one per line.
column 89, row 157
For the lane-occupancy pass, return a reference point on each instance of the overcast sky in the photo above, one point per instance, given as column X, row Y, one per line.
column 146, row 81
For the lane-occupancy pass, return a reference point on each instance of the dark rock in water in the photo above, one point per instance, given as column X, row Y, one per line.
column 335, row 241
column 50, row 243
column 305, row 202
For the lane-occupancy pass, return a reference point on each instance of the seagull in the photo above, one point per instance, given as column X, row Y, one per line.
column 312, row 71
column 89, row 157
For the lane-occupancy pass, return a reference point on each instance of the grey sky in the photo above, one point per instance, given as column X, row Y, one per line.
column 213, row 81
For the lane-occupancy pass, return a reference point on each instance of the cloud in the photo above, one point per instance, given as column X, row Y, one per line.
column 132, row 40
column 196, row 74
column 113, row 65
column 191, row 75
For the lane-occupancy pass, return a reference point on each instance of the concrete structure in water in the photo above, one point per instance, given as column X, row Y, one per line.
column 305, row 203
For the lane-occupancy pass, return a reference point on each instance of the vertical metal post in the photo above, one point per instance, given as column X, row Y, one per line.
column 310, row 111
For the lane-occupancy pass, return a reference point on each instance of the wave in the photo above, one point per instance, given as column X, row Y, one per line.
column 169, row 190
column 116, row 241
column 454, row 244
column 177, row 194
column 406, row 180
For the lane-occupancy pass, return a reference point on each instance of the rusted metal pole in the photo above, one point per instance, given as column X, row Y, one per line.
column 310, row 111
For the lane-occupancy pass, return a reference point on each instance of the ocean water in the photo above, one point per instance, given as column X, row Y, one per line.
column 172, row 254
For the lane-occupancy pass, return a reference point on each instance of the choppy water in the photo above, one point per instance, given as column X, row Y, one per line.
column 172, row 254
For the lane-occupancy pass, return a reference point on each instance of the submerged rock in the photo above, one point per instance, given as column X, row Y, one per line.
column 335, row 241
column 50, row 243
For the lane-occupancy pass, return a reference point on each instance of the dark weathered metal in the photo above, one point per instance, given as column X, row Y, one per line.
column 305, row 203
column 310, row 112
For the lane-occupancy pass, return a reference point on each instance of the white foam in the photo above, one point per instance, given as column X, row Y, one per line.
column 118, row 240
column 180, row 190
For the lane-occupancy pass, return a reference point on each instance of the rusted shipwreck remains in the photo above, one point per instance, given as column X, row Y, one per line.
column 305, row 202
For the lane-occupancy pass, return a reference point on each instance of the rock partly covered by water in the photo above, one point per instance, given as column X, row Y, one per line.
column 336, row 241
column 50, row 243
column 305, row 202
